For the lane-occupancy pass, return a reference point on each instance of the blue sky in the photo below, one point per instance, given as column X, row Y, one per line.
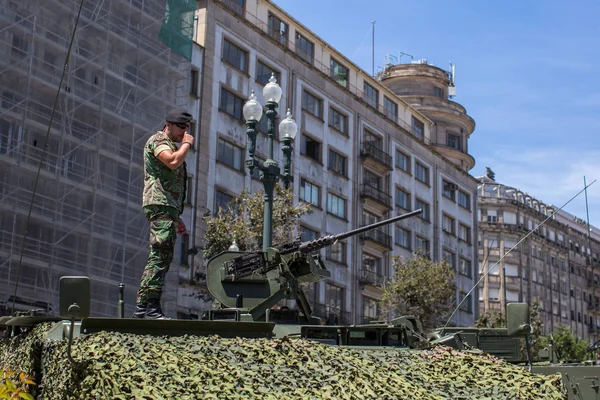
column 527, row 71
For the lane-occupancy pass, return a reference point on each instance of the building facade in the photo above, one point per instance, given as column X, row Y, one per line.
column 363, row 153
column 529, row 250
column 83, row 215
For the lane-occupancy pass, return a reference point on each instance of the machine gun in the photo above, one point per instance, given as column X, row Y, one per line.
column 258, row 280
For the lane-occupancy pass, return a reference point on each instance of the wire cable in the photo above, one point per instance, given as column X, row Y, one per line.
column 43, row 156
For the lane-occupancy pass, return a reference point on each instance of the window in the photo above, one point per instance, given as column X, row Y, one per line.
column 237, row 6
column 424, row 207
column 312, row 104
column 337, row 162
column 310, row 193
column 449, row 258
column 338, row 72
column 229, row 154
column 304, row 48
column 464, row 233
column 231, row 104
column 373, row 139
column 338, row 121
column 454, row 141
column 418, row 128
column 390, row 108
column 336, row 205
column 464, row 200
column 464, row 267
column 194, row 82
column 402, row 237
column 334, row 298
column 372, row 180
column 402, row 199
column 467, row 304
column 235, row 56
column 308, row 234
column 448, row 224
column 402, row 161
column 337, row 252
column 492, row 216
column 449, row 190
column 371, row 95
column 278, row 29
column 422, row 173
column 222, row 201
column 264, row 72
column 310, row 148
column 422, row 245
column 438, row 92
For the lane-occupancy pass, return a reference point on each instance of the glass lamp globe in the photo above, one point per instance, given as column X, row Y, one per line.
column 252, row 110
column 288, row 127
column 272, row 91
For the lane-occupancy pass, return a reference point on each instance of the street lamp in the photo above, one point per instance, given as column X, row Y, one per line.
column 269, row 170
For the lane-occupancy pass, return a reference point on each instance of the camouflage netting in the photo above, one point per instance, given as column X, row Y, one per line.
column 124, row 366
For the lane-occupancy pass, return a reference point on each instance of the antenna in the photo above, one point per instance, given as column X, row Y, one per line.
column 404, row 54
column 373, row 50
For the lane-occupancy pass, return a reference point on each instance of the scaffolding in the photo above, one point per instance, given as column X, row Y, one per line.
column 86, row 214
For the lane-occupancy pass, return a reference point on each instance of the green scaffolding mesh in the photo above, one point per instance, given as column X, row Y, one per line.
column 177, row 29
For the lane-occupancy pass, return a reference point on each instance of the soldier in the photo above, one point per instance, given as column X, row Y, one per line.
column 163, row 198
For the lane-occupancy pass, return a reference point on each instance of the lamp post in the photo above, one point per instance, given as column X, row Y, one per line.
column 269, row 170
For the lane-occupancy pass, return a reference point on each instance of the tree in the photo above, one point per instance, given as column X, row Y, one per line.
column 421, row 288
column 491, row 319
column 567, row 345
column 242, row 220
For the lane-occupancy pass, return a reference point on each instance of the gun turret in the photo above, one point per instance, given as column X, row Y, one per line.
column 262, row 279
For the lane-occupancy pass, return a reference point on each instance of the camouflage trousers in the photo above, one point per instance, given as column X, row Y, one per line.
column 163, row 224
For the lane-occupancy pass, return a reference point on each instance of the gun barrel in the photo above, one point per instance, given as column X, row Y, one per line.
column 307, row 247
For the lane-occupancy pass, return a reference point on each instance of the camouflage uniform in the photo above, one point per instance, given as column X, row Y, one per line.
column 163, row 199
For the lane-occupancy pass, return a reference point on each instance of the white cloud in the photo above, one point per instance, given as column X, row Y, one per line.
column 551, row 175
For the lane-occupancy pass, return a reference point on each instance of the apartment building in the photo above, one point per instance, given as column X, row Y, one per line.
column 530, row 250
column 367, row 148
column 84, row 212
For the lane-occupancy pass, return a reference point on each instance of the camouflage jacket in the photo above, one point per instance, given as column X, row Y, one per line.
column 162, row 185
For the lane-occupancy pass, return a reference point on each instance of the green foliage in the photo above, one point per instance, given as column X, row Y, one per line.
column 420, row 287
column 491, row 319
column 242, row 220
column 15, row 385
column 567, row 345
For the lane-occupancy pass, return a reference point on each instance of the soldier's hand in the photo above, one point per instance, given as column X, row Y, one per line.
column 181, row 229
column 187, row 138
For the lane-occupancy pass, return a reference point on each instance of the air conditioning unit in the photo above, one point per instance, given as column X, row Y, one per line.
column 450, row 187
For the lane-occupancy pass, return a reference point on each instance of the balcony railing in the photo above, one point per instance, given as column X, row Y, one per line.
column 370, row 150
column 379, row 236
column 378, row 195
column 369, row 277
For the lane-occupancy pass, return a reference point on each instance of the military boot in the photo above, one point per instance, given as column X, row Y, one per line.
column 154, row 311
column 140, row 310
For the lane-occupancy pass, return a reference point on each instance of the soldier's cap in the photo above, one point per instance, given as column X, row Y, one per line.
column 178, row 116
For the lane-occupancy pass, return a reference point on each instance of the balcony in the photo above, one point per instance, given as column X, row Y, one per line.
column 371, row 151
column 378, row 236
column 377, row 195
column 369, row 277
